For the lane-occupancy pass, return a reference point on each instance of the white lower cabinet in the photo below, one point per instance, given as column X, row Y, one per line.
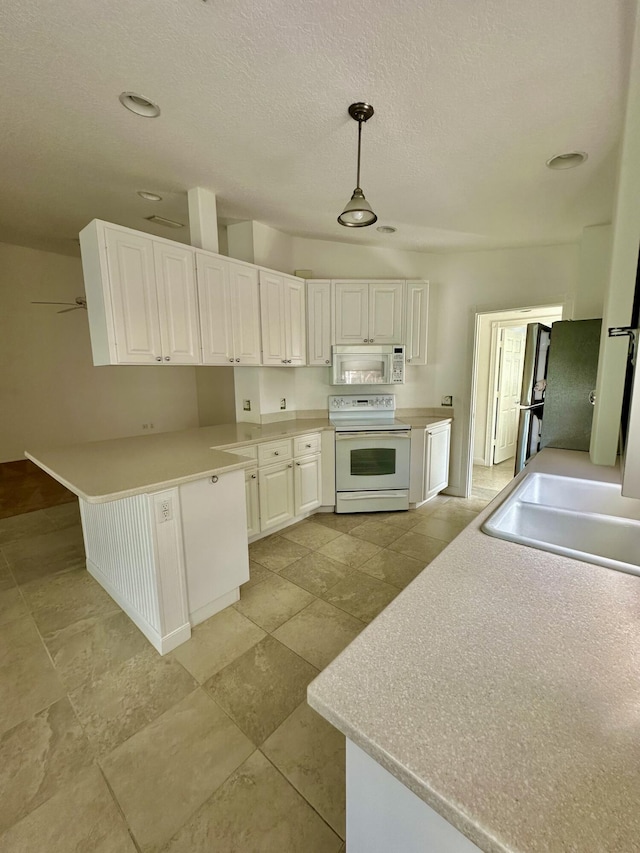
column 275, row 487
column 306, row 484
column 430, row 447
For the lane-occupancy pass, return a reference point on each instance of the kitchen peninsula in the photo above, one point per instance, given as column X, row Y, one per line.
column 164, row 518
column 493, row 705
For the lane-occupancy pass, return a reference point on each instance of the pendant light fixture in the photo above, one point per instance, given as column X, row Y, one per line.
column 358, row 212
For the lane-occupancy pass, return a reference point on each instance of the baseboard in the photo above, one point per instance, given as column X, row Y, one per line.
column 162, row 644
column 288, row 523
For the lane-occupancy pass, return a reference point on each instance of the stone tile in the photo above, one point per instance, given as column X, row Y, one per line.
column 392, row 567
column 28, row 681
column 454, row 511
column 361, row 595
column 83, row 816
column 310, row 753
column 319, row 632
column 475, row 504
column 38, row 757
column 276, row 553
column 262, row 687
column 159, row 788
column 217, row 642
column 343, row 522
column 420, row 547
column 309, row 534
column 45, row 554
column 87, row 648
column 255, row 811
column 433, row 505
column 404, row 520
column 272, row 602
column 7, row 580
column 257, row 573
column 22, row 526
column 349, row 550
column 439, row 528
column 316, row 573
column 377, row 532
column 12, row 605
column 58, row 601
column 122, row 700
column 64, row 515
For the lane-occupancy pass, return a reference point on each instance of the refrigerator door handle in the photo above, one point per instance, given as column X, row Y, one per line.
column 632, row 334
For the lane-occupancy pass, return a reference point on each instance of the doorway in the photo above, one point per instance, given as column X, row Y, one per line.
column 497, row 380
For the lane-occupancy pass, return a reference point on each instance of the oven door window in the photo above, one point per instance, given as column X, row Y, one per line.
column 373, row 461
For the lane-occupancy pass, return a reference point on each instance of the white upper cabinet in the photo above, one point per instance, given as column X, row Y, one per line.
column 416, row 321
column 319, row 322
column 282, row 310
column 229, row 311
column 141, row 297
column 368, row 312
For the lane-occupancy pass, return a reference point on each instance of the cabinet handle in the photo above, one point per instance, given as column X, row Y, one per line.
column 158, row 358
column 214, row 478
column 166, row 358
column 231, row 360
column 237, row 359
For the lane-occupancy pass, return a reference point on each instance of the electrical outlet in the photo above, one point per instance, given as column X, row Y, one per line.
column 447, row 400
column 151, row 426
column 165, row 510
column 145, row 426
column 246, row 405
column 283, row 403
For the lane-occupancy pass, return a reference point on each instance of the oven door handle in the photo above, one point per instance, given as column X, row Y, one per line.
column 345, row 436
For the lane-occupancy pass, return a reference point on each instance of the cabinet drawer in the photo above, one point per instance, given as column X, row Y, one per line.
column 250, row 452
column 274, row 451
column 303, row 445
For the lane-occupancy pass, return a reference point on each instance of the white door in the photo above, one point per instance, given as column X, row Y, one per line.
column 272, row 319
column 437, row 443
column 386, row 304
column 134, row 297
column 215, row 309
column 306, row 484
column 319, row 322
column 416, row 321
column 245, row 310
column 177, row 303
column 251, row 497
column 294, row 322
column 510, row 365
column 351, row 304
column 275, row 489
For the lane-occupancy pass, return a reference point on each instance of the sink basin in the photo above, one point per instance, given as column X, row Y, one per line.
column 583, row 519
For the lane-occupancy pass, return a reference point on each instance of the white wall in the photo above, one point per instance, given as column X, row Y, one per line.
column 595, row 257
column 215, row 395
column 50, row 392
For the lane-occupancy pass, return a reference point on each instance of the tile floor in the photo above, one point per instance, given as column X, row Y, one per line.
column 106, row 746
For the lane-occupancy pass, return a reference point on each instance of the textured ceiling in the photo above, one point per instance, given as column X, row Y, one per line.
column 471, row 98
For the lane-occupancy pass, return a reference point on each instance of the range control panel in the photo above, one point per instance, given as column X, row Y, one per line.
column 363, row 403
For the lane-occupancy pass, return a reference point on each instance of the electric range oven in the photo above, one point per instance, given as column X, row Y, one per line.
column 372, row 454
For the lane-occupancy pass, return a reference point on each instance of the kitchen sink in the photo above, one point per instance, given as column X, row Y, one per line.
column 583, row 519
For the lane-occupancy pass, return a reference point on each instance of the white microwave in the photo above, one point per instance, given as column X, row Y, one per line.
column 371, row 365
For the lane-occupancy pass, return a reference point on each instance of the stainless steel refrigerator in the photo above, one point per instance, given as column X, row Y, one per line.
column 560, row 367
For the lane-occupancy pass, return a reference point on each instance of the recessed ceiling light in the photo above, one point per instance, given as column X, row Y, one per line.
column 139, row 105
column 149, row 196
column 160, row 220
column 567, row 161
column 386, row 229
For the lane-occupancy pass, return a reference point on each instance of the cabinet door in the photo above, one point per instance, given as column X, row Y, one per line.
column 272, row 319
column 351, row 305
column 306, row 484
column 275, row 488
column 437, row 460
column 245, row 310
column 134, row 297
column 416, row 321
column 215, row 309
column 319, row 322
column 251, row 496
column 177, row 303
column 386, row 304
column 294, row 322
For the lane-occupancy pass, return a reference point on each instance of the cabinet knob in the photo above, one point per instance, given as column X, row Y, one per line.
column 231, row 360
column 307, row 445
column 298, row 464
column 276, row 453
column 366, row 340
column 158, row 358
column 166, row 358
column 288, row 361
column 284, row 361
column 290, row 465
column 214, row 478
column 254, row 476
column 328, row 361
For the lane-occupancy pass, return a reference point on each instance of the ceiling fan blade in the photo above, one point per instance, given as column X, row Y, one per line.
column 52, row 303
column 66, row 310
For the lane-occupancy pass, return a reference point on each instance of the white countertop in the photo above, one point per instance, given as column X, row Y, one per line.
column 101, row 471
column 502, row 686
